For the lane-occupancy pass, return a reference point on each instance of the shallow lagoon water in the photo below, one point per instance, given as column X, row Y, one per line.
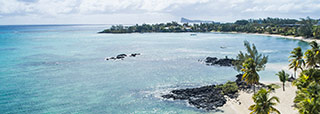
column 61, row 68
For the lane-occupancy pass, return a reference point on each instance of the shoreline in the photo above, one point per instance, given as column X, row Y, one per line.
column 285, row 106
column 261, row 34
column 282, row 36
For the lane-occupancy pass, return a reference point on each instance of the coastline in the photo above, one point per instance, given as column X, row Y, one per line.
column 244, row 101
column 286, row 97
column 282, row 36
column 285, row 106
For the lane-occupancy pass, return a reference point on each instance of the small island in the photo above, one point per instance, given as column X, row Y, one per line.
column 307, row 28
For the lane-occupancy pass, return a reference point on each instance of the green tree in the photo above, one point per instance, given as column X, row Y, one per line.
column 252, row 52
column 306, row 77
column 241, row 22
column 250, row 64
column 307, row 100
column 264, row 104
column 316, row 51
column 311, row 58
column 316, row 32
column 306, row 27
column 297, row 60
column 283, row 77
column 250, row 75
column 314, row 45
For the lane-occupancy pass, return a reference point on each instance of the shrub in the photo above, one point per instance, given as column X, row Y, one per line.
column 228, row 88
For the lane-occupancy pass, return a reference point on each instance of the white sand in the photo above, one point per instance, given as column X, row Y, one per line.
column 291, row 37
column 285, row 106
column 278, row 35
column 288, row 37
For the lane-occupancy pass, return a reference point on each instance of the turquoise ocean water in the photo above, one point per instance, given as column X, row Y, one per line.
column 61, row 68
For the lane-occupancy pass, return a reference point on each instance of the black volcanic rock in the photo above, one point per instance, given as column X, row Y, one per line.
column 211, row 59
column 206, row 97
column 134, row 54
column 241, row 84
column 210, row 97
column 222, row 62
column 122, row 56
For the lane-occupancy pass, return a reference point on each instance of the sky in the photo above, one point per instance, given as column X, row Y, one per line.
column 149, row 11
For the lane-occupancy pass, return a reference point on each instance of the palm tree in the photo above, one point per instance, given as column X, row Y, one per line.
column 250, row 75
column 263, row 104
column 259, row 59
column 316, row 51
column 283, row 76
column 311, row 58
column 307, row 100
column 314, row 45
column 250, row 64
column 296, row 61
column 312, row 55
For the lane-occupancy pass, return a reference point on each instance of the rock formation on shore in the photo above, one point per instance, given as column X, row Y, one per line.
column 207, row 97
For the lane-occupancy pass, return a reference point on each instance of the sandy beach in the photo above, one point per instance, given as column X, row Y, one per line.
column 290, row 37
column 241, row 105
column 277, row 35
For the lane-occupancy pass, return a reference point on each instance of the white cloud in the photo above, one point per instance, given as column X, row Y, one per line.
column 219, row 10
column 8, row 7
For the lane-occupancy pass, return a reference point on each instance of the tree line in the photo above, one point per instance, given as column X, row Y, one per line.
column 305, row 27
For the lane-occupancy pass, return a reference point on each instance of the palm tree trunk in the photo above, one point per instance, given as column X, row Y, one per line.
column 254, row 88
column 283, row 86
column 295, row 74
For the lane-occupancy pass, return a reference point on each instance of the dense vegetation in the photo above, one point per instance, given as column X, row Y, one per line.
column 304, row 27
column 307, row 99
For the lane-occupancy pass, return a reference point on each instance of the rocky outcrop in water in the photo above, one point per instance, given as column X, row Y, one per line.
column 206, row 97
column 122, row 56
column 213, row 96
column 221, row 62
column 134, row 54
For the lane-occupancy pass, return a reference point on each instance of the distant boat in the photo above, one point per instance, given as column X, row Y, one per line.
column 223, row 47
column 193, row 34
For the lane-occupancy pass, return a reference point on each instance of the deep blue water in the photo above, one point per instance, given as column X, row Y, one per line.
column 61, row 68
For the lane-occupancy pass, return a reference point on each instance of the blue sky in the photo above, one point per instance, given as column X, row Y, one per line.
column 149, row 11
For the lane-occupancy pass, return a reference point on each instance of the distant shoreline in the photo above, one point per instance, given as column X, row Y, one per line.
column 278, row 35
column 291, row 37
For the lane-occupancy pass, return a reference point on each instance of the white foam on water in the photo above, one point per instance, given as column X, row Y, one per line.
column 268, row 51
